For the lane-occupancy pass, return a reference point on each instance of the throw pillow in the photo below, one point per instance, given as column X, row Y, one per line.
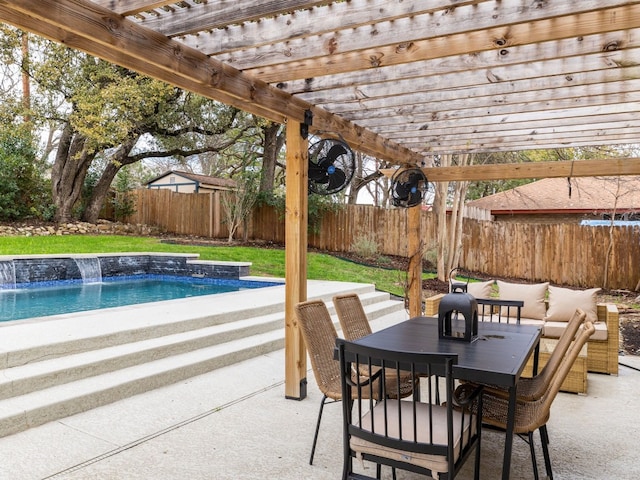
column 533, row 296
column 564, row 301
column 480, row 289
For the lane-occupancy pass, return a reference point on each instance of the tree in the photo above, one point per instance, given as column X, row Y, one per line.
column 21, row 185
column 449, row 231
column 273, row 135
column 99, row 117
column 368, row 176
column 238, row 204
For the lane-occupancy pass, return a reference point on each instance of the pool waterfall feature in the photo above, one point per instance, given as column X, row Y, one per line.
column 24, row 269
column 90, row 270
column 7, row 274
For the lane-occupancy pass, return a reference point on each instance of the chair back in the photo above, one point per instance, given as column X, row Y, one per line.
column 566, row 364
column 319, row 336
column 423, row 435
column 531, row 415
column 555, row 359
column 353, row 319
column 499, row 310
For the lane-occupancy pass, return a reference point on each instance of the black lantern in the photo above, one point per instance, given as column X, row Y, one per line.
column 458, row 317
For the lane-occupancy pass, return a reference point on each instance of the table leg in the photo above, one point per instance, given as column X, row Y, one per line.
column 536, row 355
column 508, row 440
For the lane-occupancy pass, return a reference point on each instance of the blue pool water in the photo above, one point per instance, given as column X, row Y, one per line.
column 53, row 298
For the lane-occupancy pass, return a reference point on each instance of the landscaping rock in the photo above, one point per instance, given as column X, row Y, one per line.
column 76, row 228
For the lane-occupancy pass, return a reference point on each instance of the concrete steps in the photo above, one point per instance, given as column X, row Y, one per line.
column 48, row 380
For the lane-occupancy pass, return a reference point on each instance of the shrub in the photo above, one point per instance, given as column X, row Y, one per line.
column 365, row 245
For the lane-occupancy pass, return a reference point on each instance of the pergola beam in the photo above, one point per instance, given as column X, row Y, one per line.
column 609, row 167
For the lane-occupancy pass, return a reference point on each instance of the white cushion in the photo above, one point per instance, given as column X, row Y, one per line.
column 534, row 322
column 436, row 463
column 553, row 329
column 564, row 301
column 533, row 296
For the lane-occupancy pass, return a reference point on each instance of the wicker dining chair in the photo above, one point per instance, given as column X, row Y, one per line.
column 352, row 317
column 530, row 415
column 320, row 336
column 355, row 324
column 533, row 388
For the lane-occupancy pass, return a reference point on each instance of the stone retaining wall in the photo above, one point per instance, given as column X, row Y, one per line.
column 103, row 227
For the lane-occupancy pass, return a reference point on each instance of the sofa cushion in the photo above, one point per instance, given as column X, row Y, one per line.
column 533, row 296
column 564, row 301
column 480, row 289
column 534, row 322
column 553, row 329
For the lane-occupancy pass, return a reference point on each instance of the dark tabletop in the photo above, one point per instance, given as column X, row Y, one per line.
column 498, row 356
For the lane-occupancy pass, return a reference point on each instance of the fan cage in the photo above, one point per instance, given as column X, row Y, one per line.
column 408, row 187
column 331, row 166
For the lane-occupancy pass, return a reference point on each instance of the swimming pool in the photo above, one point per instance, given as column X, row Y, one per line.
column 41, row 299
column 44, row 285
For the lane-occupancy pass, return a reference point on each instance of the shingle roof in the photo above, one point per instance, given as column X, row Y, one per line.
column 552, row 194
column 204, row 180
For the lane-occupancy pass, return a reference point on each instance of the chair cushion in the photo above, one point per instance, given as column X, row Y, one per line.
column 436, row 463
column 480, row 289
column 553, row 329
column 533, row 296
column 564, row 301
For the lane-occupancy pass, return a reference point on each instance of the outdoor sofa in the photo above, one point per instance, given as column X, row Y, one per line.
column 551, row 307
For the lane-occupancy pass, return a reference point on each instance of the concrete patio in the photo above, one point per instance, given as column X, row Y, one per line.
column 234, row 423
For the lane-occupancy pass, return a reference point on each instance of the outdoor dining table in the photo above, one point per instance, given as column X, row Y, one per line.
column 498, row 356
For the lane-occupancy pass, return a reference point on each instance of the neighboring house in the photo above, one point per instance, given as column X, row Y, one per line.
column 185, row 182
column 554, row 200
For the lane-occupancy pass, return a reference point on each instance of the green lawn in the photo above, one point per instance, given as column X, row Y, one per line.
column 265, row 261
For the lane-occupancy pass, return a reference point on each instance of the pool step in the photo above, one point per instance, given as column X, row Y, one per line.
column 110, row 327
column 88, row 376
column 42, row 406
column 33, row 376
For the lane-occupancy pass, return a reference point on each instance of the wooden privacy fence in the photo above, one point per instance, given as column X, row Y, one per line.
column 566, row 254
column 340, row 231
column 180, row 213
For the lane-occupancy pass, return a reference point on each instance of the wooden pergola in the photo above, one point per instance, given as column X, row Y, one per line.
column 398, row 80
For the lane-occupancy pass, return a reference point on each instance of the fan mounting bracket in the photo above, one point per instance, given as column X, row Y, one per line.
column 308, row 121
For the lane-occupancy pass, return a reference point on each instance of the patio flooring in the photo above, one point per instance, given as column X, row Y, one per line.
column 234, row 423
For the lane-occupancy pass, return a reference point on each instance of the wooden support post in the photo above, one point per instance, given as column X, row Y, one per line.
column 295, row 260
column 414, row 245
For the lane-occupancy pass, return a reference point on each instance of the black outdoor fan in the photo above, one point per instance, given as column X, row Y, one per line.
column 331, row 166
column 408, row 186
